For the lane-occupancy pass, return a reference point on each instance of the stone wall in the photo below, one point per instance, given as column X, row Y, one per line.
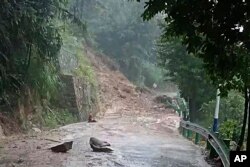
column 78, row 96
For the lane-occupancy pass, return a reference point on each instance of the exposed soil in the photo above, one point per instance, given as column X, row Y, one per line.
column 8, row 125
column 141, row 133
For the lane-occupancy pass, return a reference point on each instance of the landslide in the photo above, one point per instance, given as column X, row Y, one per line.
column 116, row 91
column 118, row 96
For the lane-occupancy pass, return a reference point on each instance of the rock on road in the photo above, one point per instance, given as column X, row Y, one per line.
column 138, row 141
column 141, row 133
column 142, row 140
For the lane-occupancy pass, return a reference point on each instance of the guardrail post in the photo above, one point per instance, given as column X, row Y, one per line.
column 213, row 153
column 227, row 142
column 208, row 147
column 186, row 133
column 189, row 134
column 180, row 129
column 201, row 134
column 197, row 138
column 183, row 131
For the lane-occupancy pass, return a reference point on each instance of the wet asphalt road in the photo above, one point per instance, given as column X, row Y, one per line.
column 138, row 141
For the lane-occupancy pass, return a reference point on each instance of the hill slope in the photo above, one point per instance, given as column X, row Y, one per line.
column 142, row 132
column 117, row 90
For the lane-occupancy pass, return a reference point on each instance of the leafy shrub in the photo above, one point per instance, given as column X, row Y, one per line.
column 230, row 115
column 44, row 78
column 152, row 74
column 84, row 68
column 53, row 118
column 227, row 129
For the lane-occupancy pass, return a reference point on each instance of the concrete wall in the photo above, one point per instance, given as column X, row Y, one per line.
column 78, row 96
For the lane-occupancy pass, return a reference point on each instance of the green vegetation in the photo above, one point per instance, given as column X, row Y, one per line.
column 218, row 33
column 33, row 37
column 74, row 61
column 52, row 119
column 29, row 45
column 27, row 34
column 204, row 45
column 231, row 113
column 73, row 51
column 186, row 71
column 119, row 32
column 84, row 68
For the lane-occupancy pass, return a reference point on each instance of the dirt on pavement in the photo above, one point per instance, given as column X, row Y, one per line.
column 140, row 131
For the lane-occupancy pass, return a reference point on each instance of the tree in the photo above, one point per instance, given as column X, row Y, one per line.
column 29, row 44
column 120, row 33
column 218, row 32
column 26, row 31
column 231, row 113
column 186, row 71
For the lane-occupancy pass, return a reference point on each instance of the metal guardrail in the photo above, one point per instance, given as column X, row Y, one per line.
column 211, row 137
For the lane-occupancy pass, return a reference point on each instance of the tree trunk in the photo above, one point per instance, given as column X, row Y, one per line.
column 248, row 131
column 243, row 129
column 192, row 110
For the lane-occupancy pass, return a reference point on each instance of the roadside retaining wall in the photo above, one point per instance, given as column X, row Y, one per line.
column 78, row 96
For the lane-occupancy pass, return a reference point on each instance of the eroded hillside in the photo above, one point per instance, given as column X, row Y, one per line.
column 130, row 120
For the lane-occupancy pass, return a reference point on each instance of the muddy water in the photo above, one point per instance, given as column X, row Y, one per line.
column 136, row 143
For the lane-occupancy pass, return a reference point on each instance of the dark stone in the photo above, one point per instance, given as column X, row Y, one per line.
column 163, row 99
column 64, row 147
column 91, row 119
column 99, row 145
column 100, row 149
column 20, row 161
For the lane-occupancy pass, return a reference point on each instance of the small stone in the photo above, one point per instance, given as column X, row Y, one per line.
column 122, row 96
column 155, row 106
column 37, row 130
column 38, row 147
column 127, row 90
column 64, row 147
column 99, row 146
column 20, row 161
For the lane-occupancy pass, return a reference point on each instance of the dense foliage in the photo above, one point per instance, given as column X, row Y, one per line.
column 230, row 116
column 216, row 31
column 32, row 33
column 119, row 31
column 28, row 38
column 186, row 71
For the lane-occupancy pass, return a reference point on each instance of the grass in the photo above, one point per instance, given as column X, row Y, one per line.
column 75, row 50
column 84, row 68
column 55, row 118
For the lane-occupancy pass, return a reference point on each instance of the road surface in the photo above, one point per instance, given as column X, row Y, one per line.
column 138, row 141
column 142, row 140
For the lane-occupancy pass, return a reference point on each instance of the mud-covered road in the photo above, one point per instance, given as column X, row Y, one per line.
column 142, row 140
column 138, row 141
column 142, row 132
